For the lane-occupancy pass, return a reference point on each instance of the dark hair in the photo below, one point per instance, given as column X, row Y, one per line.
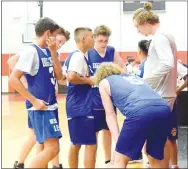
column 62, row 31
column 78, row 31
column 144, row 46
column 131, row 60
column 44, row 24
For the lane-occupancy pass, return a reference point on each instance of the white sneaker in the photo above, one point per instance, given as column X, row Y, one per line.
column 108, row 165
column 146, row 165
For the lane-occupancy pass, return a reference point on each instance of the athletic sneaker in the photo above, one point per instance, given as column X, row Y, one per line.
column 108, row 165
column 60, row 166
column 146, row 165
column 139, row 160
column 18, row 165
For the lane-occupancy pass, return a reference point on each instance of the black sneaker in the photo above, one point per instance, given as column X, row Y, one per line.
column 18, row 165
column 139, row 160
column 60, row 166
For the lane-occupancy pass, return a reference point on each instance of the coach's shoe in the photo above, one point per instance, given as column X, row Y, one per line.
column 18, row 165
column 60, row 166
column 108, row 165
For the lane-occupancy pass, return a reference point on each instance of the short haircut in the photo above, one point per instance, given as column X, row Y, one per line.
column 79, row 31
column 102, row 30
column 44, row 24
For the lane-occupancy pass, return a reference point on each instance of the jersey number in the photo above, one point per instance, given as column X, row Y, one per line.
column 56, row 128
column 51, row 70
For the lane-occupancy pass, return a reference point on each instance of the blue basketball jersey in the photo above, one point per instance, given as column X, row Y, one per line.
column 42, row 85
column 94, row 61
column 141, row 68
column 130, row 94
column 78, row 100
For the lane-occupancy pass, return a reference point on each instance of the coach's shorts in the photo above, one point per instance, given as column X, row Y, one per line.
column 45, row 124
column 82, row 130
column 149, row 124
column 100, row 120
column 173, row 135
column 173, row 119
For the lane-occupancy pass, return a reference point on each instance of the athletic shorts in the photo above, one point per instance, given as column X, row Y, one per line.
column 45, row 124
column 82, row 130
column 149, row 124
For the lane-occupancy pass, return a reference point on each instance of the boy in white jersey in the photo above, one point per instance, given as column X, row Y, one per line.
column 160, row 68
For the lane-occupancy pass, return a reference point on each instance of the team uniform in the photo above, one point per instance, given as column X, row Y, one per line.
column 141, row 69
column 36, row 63
column 146, row 116
column 160, row 70
column 79, row 103
column 181, row 73
column 94, row 61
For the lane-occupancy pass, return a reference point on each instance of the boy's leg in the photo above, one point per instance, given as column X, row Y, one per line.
column 173, row 136
column 39, row 148
column 27, row 147
column 46, row 126
column 154, row 163
column 51, row 150
column 120, row 160
column 90, row 156
column 101, row 125
column 82, row 132
column 107, row 145
column 55, row 162
column 74, row 155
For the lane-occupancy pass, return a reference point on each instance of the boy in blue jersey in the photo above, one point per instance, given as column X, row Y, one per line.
column 146, row 114
column 102, row 52
column 39, row 64
column 62, row 37
column 78, row 101
column 142, row 53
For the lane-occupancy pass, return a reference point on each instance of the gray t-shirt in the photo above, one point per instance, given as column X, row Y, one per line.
column 29, row 61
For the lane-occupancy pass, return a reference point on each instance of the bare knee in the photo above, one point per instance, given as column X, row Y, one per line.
column 121, row 160
column 91, row 148
column 75, row 148
column 52, row 146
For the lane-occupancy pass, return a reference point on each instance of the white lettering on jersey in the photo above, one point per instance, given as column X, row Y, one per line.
column 47, row 62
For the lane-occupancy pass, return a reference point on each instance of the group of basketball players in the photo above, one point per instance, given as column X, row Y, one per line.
column 97, row 84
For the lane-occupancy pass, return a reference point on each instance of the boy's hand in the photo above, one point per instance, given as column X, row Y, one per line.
column 51, row 42
column 40, row 104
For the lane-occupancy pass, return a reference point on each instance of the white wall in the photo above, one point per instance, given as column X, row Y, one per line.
column 73, row 14
column 173, row 20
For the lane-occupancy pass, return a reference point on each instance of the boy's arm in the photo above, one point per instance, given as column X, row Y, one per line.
column 12, row 63
column 14, row 80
